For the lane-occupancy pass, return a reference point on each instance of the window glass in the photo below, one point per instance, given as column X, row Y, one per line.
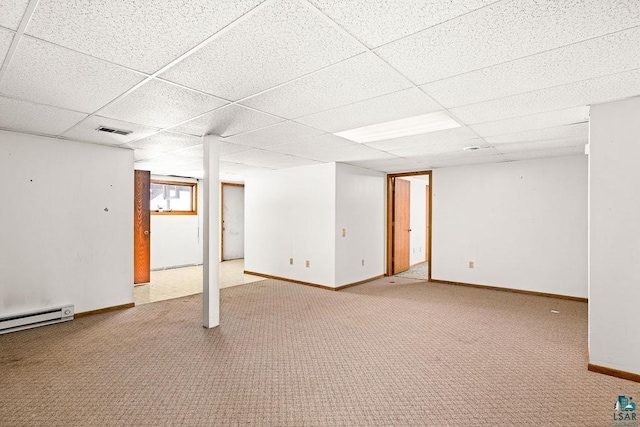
column 172, row 197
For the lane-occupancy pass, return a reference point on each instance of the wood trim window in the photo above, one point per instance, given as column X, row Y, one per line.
column 173, row 198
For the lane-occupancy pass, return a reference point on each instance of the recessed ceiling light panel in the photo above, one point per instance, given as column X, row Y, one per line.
column 408, row 126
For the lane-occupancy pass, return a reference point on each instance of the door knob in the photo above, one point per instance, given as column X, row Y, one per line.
column 409, row 229
column 146, row 232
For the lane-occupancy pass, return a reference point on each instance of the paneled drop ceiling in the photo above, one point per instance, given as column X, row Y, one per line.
column 275, row 79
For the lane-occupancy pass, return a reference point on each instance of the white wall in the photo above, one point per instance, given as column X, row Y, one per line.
column 418, row 219
column 176, row 239
column 523, row 224
column 66, row 229
column 290, row 213
column 360, row 211
column 614, row 241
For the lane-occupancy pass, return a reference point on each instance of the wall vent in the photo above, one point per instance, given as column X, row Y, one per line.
column 116, row 131
column 32, row 319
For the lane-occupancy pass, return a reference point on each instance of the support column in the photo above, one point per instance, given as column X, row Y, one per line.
column 211, row 241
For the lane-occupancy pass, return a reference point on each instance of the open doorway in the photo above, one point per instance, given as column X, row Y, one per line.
column 409, row 224
column 232, row 221
column 173, row 257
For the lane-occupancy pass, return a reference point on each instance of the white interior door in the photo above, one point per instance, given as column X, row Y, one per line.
column 232, row 222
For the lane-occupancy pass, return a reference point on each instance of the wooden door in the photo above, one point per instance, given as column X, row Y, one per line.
column 401, row 225
column 232, row 221
column 427, row 255
column 141, row 229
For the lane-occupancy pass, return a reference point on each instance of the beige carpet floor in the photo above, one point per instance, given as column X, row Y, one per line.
column 378, row 354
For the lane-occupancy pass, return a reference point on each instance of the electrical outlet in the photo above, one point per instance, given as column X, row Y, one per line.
column 291, row 261
column 344, row 232
column 307, row 263
column 470, row 264
column 363, row 262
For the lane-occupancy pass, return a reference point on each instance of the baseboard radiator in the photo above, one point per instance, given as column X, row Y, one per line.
column 32, row 319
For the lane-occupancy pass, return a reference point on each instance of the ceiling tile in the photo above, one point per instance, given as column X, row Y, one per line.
column 284, row 40
column 6, row 37
column 190, row 170
column 64, row 78
column 379, row 22
column 139, row 154
column 87, row 131
column 227, row 121
column 384, row 108
column 309, row 147
column 390, row 165
column 195, row 165
column 438, row 147
column 440, row 137
column 11, row 13
column 535, row 121
column 267, row 159
column 356, row 79
column 580, row 130
column 576, row 150
column 588, row 92
column 162, row 163
column 491, row 157
column 350, row 153
column 224, row 166
column 392, row 161
column 602, row 56
column 142, row 35
column 240, row 169
column 453, row 155
column 522, row 147
column 165, row 142
column 274, row 135
column 161, row 104
column 195, row 152
column 33, row 118
column 503, row 32
column 228, row 148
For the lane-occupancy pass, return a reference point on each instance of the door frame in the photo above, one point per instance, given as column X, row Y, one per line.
column 390, row 212
column 427, row 257
column 222, row 184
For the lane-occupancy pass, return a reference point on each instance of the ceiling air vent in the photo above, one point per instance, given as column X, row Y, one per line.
column 116, row 131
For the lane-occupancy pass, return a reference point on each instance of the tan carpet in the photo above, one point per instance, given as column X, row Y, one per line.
column 407, row 353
